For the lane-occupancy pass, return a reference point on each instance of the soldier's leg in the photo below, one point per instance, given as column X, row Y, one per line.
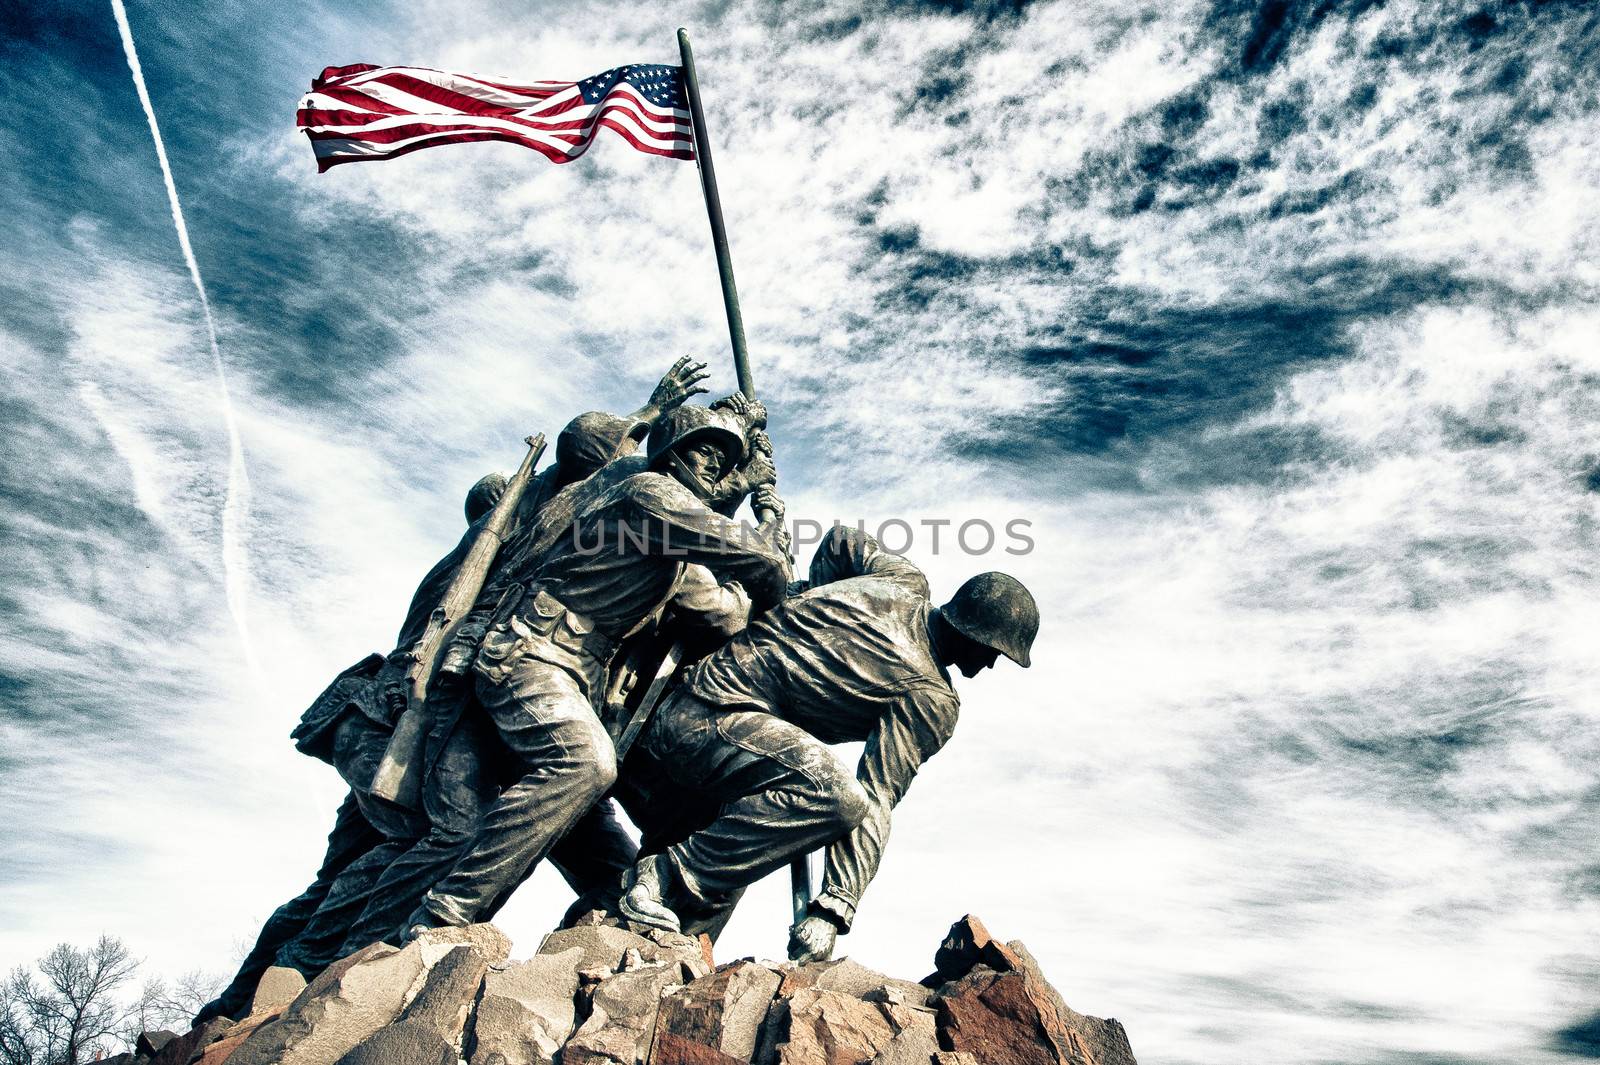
column 351, row 837
column 711, row 917
column 782, row 791
column 358, row 747
column 460, row 786
column 565, row 763
column 593, row 858
column 667, row 813
column 320, row 943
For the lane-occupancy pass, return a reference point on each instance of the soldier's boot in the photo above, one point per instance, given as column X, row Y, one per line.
column 647, row 891
column 423, row 920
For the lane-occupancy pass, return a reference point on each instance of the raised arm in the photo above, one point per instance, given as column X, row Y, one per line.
column 674, row 390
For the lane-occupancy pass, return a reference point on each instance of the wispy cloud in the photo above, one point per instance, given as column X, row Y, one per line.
column 236, row 507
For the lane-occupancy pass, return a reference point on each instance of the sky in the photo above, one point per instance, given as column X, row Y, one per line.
column 1275, row 322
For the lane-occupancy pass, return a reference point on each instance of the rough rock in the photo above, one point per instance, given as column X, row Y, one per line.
column 603, row 946
column 349, row 1001
column 607, row 947
column 969, row 943
column 448, row 993
column 590, row 917
column 184, row 1048
column 149, row 1044
column 222, row 1049
column 622, row 1018
column 402, row 1043
column 693, row 953
column 486, row 939
column 705, row 951
column 672, row 1049
column 1104, row 1041
column 277, row 987
column 832, row 1028
column 721, row 1013
column 993, row 995
column 526, row 1011
column 852, row 978
column 603, row 995
column 1001, row 1017
column 915, row 1044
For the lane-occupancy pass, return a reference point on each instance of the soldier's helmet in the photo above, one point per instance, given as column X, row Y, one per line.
column 997, row 611
column 483, row 496
column 689, row 424
column 588, row 442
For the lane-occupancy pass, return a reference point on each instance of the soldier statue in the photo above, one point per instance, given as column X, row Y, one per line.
column 731, row 777
column 861, row 655
column 595, row 852
column 606, row 559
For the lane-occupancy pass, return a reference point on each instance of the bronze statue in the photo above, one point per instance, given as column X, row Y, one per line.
column 608, row 558
column 602, row 563
column 595, row 853
column 861, row 655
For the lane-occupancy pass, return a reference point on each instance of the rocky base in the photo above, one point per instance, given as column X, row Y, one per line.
column 602, row 995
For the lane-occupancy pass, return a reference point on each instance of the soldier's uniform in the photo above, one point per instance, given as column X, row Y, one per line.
column 640, row 546
column 851, row 659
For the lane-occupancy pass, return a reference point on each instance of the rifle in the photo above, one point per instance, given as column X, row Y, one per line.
column 399, row 776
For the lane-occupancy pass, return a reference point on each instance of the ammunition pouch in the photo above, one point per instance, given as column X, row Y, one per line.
column 536, row 624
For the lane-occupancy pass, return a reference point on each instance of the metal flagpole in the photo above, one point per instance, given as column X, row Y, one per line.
column 800, row 869
column 719, row 233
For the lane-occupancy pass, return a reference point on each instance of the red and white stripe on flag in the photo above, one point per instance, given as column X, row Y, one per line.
column 371, row 112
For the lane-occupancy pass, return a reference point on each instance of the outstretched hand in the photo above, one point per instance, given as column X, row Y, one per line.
column 680, row 382
column 812, row 940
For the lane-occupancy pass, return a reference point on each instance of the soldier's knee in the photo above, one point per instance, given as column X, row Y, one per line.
column 605, row 767
column 596, row 757
column 850, row 804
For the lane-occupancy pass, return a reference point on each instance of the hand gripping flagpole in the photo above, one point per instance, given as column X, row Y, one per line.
column 800, row 869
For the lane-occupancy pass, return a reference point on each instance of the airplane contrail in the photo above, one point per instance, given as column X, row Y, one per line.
column 235, row 508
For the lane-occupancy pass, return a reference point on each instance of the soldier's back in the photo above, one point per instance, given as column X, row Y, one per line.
column 832, row 660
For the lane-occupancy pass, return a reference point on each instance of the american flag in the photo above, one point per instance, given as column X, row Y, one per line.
column 370, row 112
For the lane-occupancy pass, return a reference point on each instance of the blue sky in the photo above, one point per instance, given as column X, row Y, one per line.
column 1276, row 320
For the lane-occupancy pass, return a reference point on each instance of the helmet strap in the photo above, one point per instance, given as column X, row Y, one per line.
column 681, row 473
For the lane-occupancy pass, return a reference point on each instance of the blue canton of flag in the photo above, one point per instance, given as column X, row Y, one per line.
column 660, row 85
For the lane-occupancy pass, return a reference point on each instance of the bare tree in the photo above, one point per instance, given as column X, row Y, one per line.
column 72, row 1012
column 17, row 1045
column 163, row 1005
